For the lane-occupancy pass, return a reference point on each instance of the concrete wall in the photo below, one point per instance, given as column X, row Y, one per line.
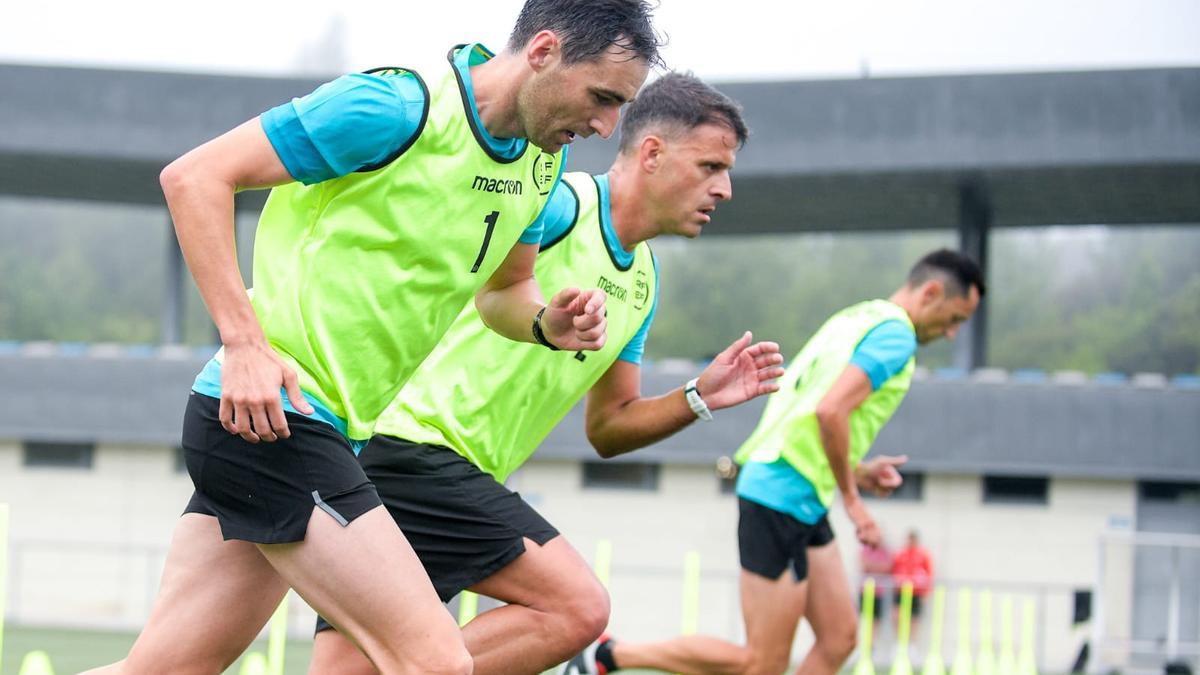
column 88, row 544
column 1038, row 552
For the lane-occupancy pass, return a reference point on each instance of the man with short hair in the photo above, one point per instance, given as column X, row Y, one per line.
column 398, row 195
column 479, row 406
column 834, row 398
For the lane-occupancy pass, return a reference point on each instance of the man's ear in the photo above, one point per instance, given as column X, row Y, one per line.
column 650, row 152
column 543, row 50
column 932, row 291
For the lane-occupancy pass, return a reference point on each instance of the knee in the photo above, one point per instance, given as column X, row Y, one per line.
column 588, row 614
column 458, row 663
column 439, row 654
column 766, row 664
column 447, row 661
column 592, row 618
column 838, row 642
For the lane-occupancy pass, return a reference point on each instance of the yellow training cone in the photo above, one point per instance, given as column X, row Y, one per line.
column 1026, row 665
column 468, row 605
column 690, row 612
column 864, row 666
column 3, row 569
column 901, row 664
column 277, row 638
column 962, row 655
column 603, row 563
column 254, row 663
column 933, row 660
column 1007, row 663
column 985, row 663
column 36, row 663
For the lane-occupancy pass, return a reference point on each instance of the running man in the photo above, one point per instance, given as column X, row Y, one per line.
column 398, row 195
column 835, row 397
column 479, row 406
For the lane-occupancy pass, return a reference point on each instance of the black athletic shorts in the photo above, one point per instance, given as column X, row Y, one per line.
column 463, row 525
column 768, row 540
column 265, row 492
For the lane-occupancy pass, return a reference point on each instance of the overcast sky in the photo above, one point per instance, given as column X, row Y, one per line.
column 717, row 39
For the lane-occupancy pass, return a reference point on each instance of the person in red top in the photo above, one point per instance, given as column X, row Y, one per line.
column 912, row 563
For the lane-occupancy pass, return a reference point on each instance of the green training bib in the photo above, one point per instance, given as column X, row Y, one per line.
column 788, row 427
column 357, row 278
column 493, row 400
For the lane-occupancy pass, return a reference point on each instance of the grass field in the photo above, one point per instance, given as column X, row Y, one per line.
column 74, row 650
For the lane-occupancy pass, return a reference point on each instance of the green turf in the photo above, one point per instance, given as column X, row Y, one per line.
column 74, row 650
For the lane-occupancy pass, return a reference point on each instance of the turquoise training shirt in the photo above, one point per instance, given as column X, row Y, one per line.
column 882, row 353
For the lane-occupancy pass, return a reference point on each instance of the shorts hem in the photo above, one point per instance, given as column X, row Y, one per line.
column 770, row 577
column 478, row 574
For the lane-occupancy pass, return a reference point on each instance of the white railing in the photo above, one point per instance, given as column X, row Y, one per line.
column 1115, row 640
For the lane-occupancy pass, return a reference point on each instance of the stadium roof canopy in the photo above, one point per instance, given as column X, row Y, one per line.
column 1114, row 147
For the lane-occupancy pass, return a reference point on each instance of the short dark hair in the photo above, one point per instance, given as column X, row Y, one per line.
column 682, row 100
column 589, row 27
column 958, row 270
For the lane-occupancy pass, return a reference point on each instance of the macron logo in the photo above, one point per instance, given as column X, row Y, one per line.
column 612, row 289
column 497, row 185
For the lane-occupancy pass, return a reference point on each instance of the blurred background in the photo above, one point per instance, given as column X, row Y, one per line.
column 1054, row 452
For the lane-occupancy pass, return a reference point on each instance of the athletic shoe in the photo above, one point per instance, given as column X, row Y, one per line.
column 584, row 663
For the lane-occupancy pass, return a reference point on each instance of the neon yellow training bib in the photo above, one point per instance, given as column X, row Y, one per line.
column 357, row 278
column 788, row 427
column 492, row 400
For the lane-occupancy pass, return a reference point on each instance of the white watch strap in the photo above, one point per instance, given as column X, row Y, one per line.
column 696, row 403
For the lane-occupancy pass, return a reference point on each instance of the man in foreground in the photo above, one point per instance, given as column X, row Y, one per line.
column 377, row 234
column 479, row 406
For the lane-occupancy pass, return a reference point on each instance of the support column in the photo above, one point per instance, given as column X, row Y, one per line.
column 172, row 316
column 974, row 226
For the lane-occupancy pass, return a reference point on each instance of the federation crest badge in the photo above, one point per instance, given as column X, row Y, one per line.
column 544, row 173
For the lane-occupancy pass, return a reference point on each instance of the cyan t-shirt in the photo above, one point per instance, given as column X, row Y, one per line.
column 360, row 120
column 883, row 352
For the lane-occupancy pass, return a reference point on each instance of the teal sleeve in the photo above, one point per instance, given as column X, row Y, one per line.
column 884, row 351
column 558, row 215
column 354, row 122
column 637, row 345
column 535, row 233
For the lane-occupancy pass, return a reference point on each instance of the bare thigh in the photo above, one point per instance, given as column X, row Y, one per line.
column 556, row 607
column 214, row 598
column 831, row 612
column 550, row 577
column 365, row 579
column 830, row 608
column 772, row 611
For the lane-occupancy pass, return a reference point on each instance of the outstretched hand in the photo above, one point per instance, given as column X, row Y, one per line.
column 740, row 373
column 880, row 475
column 574, row 320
